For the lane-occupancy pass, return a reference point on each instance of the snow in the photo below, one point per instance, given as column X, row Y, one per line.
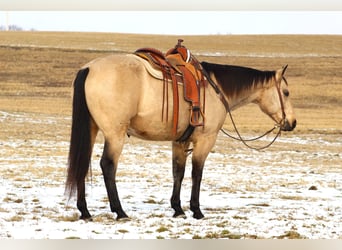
column 244, row 193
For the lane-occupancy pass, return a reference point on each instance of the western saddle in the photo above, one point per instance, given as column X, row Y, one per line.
column 179, row 65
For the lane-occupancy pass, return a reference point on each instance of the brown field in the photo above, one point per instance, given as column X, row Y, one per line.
column 37, row 69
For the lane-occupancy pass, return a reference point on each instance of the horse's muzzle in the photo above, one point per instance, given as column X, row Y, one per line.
column 287, row 126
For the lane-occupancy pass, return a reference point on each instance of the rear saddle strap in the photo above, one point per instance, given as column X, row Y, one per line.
column 178, row 65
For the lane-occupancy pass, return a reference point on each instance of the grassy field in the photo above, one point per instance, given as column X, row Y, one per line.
column 251, row 195
column 39, row 67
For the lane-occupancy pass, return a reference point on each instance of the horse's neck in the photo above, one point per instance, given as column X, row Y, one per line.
column 247, row 96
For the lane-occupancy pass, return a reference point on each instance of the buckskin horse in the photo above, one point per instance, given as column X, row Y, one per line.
column 118, row 96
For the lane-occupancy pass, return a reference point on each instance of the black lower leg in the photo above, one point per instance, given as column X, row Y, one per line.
column 82, row 206
column 81, row 202
column 175, row 200
column 196, row 183
column 109, row 169
column 178, row 168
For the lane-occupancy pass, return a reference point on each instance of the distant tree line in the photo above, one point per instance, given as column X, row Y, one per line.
column 11, row 27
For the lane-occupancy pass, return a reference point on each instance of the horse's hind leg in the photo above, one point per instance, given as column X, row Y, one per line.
column 179, row 156
column 109, row 163
column 81, row 199
column 81, row 202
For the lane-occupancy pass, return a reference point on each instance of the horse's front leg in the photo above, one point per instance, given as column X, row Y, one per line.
column 196, row 175
column 179, row 155
column 201, row 150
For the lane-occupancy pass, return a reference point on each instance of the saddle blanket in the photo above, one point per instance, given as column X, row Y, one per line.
column 151, row 70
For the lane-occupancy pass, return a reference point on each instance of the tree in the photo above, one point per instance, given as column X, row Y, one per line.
column 11, row 27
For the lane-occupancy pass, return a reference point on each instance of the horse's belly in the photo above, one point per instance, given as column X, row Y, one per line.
column 155, row 128
column 146, row 134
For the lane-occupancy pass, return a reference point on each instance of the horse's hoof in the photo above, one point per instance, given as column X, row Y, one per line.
column 123, row 219
column 198, row 215
column 181, row 216
column 86, row 218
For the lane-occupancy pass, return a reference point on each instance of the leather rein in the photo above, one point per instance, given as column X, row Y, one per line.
column 277, row 125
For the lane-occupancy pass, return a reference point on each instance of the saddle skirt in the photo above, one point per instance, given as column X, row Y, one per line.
column 153, row 71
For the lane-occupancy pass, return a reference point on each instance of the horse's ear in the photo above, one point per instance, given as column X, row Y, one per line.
column 280, row 73
column 284, row 69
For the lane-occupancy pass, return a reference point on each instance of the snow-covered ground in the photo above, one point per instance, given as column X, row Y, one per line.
column 292, row 190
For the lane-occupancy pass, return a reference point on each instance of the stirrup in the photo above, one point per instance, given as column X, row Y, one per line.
column 195, row 114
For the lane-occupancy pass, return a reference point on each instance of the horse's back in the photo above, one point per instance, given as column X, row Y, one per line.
column 114, row 67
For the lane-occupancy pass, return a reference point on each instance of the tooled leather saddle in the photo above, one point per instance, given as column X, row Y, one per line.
column 179, row 65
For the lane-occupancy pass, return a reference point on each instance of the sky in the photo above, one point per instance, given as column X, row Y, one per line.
column 179, row 22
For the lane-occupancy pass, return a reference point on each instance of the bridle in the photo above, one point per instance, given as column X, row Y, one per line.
column 277, row 125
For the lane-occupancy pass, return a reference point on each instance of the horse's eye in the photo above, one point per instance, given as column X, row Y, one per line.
column 286, row 92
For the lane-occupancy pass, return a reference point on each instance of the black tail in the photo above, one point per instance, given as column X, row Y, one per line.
column 80, row 142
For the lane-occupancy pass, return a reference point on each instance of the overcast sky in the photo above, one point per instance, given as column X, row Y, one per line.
column 173, row 22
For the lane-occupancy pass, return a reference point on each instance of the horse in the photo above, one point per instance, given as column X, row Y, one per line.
column 116, row 95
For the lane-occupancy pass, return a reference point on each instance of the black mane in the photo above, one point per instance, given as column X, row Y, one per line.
column 234, row 79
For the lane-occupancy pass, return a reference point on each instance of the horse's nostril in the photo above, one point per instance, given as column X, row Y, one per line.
column 289, row 126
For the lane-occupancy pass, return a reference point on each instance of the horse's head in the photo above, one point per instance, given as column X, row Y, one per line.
column 275, row 102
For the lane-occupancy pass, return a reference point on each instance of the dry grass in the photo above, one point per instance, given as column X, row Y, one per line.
column 39, row 67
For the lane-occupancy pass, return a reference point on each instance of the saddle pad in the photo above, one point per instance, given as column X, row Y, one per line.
column 151, row 70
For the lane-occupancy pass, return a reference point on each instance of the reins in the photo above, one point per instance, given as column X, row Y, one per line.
column 244, row 141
